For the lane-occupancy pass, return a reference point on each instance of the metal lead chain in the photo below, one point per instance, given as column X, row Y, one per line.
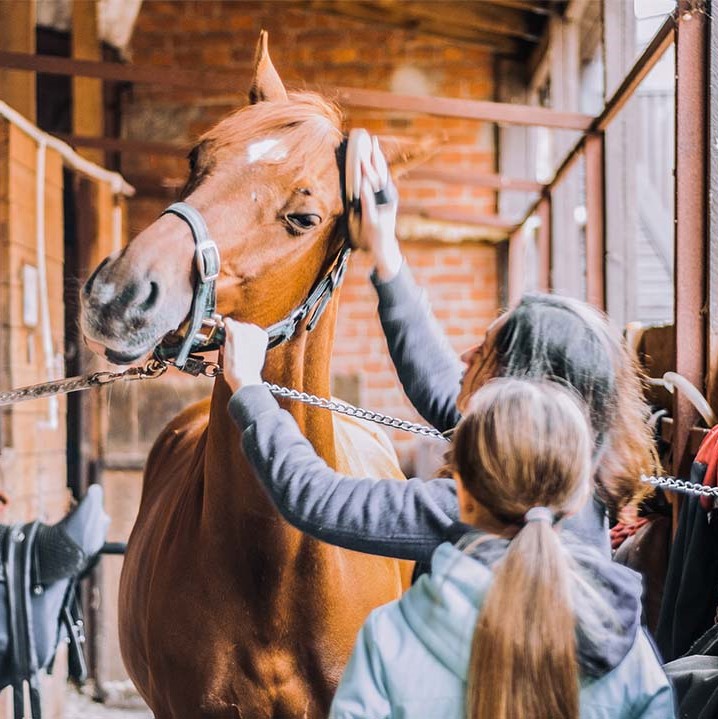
column 673, row 484
column 157, row 367
column 349, row 409
column 151, row 369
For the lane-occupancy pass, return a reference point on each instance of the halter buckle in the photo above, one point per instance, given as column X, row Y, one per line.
column 207, row 261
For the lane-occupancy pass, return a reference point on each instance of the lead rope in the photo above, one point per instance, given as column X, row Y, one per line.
column 154, row 368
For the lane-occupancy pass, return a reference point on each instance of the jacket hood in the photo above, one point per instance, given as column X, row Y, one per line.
column 442, row 608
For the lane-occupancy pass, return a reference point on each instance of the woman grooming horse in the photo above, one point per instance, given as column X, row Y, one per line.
column 556, row 623
column 544, row 336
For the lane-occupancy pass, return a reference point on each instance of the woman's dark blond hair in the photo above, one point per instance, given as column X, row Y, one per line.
column 553, row 337
column 523, row 444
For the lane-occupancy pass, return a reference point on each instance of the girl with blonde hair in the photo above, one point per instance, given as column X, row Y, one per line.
column 551, row 616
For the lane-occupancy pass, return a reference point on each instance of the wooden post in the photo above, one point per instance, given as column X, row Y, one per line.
column 712, row 340
column 566, row 251
column 691, row 204
column 17, row 34
column 87, row 105
column 621, row 226
column 517, row 265
column 595, row 221
column 544, row 243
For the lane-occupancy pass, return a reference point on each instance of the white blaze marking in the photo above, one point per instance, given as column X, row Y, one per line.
column 265, row 149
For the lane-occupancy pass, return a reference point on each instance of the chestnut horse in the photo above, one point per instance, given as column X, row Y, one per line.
column 226, row 610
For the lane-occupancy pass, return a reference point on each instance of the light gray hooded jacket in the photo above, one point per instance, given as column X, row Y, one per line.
column 411, row 657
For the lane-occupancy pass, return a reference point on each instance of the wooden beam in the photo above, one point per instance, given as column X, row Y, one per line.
column 112, row 144
column 17, row 35
column 516, row 274
column 712, row 339
column 595, row 221
column 535, row 8
column 444, row 174
column 691, row 202
column 620, row 152
column 460, row 216
column 166, row 75
column 462, row 22
column 646, row 61
column 499, row 112
column 87, row 101
column 564, row 59
column 483, row 110
column 474, row 17
column 544, row 242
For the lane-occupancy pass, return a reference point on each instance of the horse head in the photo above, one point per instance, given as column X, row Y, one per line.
column 267, row 182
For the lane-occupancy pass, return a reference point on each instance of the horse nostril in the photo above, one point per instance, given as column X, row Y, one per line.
column 151, row 299
column 87, row 287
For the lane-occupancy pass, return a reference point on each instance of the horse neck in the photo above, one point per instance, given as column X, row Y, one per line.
column 230, row 486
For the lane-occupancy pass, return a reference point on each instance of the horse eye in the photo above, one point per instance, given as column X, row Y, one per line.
column 302, row 223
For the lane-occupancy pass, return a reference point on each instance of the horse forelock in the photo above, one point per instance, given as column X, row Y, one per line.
column 304, row 123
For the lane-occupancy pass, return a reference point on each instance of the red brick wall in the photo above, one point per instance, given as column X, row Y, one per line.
column 316, row 49
column 322, row 50
column 461, row 283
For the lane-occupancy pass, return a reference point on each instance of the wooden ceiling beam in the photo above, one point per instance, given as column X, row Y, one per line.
column 114, row 144
column 499, row 112
column 501, row 38
column 167, row 75
column 482, row 17
column 451, row 176
column 536, row 8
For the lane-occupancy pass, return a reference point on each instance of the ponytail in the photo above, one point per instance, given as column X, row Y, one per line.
column 523, row 454
column 523, row 656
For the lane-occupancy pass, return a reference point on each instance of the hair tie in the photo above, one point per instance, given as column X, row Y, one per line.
column 539, row 514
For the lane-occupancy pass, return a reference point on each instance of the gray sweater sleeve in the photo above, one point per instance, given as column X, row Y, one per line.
column 428, row 368
column 390, row 517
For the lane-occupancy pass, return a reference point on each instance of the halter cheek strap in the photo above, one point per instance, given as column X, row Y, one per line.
column 207, row 262
column 316, row 302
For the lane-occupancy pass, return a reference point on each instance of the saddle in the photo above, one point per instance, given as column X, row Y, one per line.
column 40, row 568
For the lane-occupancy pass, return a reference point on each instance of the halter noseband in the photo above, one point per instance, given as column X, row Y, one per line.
column 202, row 313
column 204, row 298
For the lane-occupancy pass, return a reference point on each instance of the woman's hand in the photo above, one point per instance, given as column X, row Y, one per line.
column 245, row 349
column 374, row 230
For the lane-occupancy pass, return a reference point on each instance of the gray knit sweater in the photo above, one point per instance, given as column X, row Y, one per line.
column 408, row 519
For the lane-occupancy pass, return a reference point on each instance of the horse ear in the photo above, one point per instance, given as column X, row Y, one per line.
column 404, row 153
column 266, row 83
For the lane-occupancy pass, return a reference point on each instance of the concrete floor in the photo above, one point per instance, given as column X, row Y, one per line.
column 120, row 705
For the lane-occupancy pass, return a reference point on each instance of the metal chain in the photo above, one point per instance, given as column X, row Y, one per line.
column 151, row 369
column 673, row 484
column 349, row 409
column 155, row 368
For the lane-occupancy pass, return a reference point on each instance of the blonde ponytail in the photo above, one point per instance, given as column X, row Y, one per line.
column 523, row 657
column 522, row 445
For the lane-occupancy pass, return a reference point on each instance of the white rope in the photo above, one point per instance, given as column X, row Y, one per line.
column 48, row 352
column 70, row 158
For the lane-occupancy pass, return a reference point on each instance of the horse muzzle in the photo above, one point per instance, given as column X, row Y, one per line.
column 123, row 315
